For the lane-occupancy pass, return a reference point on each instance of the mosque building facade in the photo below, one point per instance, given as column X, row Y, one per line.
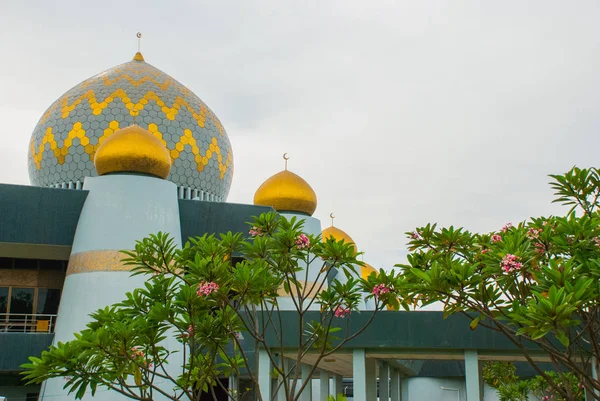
column 130, row 152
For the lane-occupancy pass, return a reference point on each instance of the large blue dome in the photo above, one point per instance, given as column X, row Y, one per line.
column 64, row 142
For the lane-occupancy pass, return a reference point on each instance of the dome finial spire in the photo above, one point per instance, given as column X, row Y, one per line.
column 138, row 56
column 286, row 158
column 332, row 217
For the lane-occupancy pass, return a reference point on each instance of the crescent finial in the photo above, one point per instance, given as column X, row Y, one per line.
column 286, row 157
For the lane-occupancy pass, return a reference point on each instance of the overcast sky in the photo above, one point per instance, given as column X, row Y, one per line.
column 397, row 113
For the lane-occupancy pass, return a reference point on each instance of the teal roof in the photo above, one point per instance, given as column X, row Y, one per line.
column 35, row 215
column 198, row 218
column 47, row 217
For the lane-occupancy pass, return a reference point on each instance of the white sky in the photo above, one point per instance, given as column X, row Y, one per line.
column 397, row 113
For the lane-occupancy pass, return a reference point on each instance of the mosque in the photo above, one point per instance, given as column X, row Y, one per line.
column 131, row 151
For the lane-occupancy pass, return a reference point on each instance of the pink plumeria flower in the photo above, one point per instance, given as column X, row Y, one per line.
column 507, row 227
column 206, row 288
column 540, row 248
column 534, row 233
column 496, row 238
column 511, row 263
column 302, row 241
column 380, row 289
column 341, row 312
column 137, row 353
column 256, row 231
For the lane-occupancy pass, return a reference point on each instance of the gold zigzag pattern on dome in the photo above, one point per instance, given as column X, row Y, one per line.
column 202, row 160
column 78, row 132
column 138, row 68
column 137, row 82
column 150, row 74
column 134, row 108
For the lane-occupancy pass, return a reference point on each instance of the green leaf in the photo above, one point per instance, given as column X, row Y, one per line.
column 562, row 337
column 474, row 323
column 421, row 274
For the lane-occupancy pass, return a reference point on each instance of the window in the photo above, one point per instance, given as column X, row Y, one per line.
column 28, row 301
column 47, row 301
column 21, row 300
column 3, row 299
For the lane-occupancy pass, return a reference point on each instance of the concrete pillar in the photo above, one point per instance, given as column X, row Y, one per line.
column 365, row 376
column 595, row 371
column 337, row 385
column 280, row 388
column 324, row 385
column 395, row 393
column 307, row 392
column 472, row 376
column 404, row 390
column 589, row 394
column 384, row 381
column 234, row 387
column 127, row 208
column 371, row 369
column 264, row 375
column 281, row 395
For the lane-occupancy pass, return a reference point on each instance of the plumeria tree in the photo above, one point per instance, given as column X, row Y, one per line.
column 221, row 298
column 502, row 377
column 537, row 281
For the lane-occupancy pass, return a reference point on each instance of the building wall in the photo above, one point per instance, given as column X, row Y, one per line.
column 430, row 389
column 426, row 388
column 32, row 278
column 30, row 288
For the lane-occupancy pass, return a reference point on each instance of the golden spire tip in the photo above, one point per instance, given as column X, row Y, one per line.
column 138, row 56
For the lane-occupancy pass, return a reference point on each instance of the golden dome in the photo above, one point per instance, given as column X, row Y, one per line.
column 135, row 150
column 338, row 235
column 287, row 192
column 366, row 270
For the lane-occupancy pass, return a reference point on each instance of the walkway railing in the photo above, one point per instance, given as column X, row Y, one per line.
column 27, row 323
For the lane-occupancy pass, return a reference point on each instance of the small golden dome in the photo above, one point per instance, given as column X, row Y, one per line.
column 366, row 270
column 287, row 192
column 134, row 150
column 338, row 235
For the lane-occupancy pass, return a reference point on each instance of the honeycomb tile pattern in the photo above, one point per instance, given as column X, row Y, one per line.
column 64, row 142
